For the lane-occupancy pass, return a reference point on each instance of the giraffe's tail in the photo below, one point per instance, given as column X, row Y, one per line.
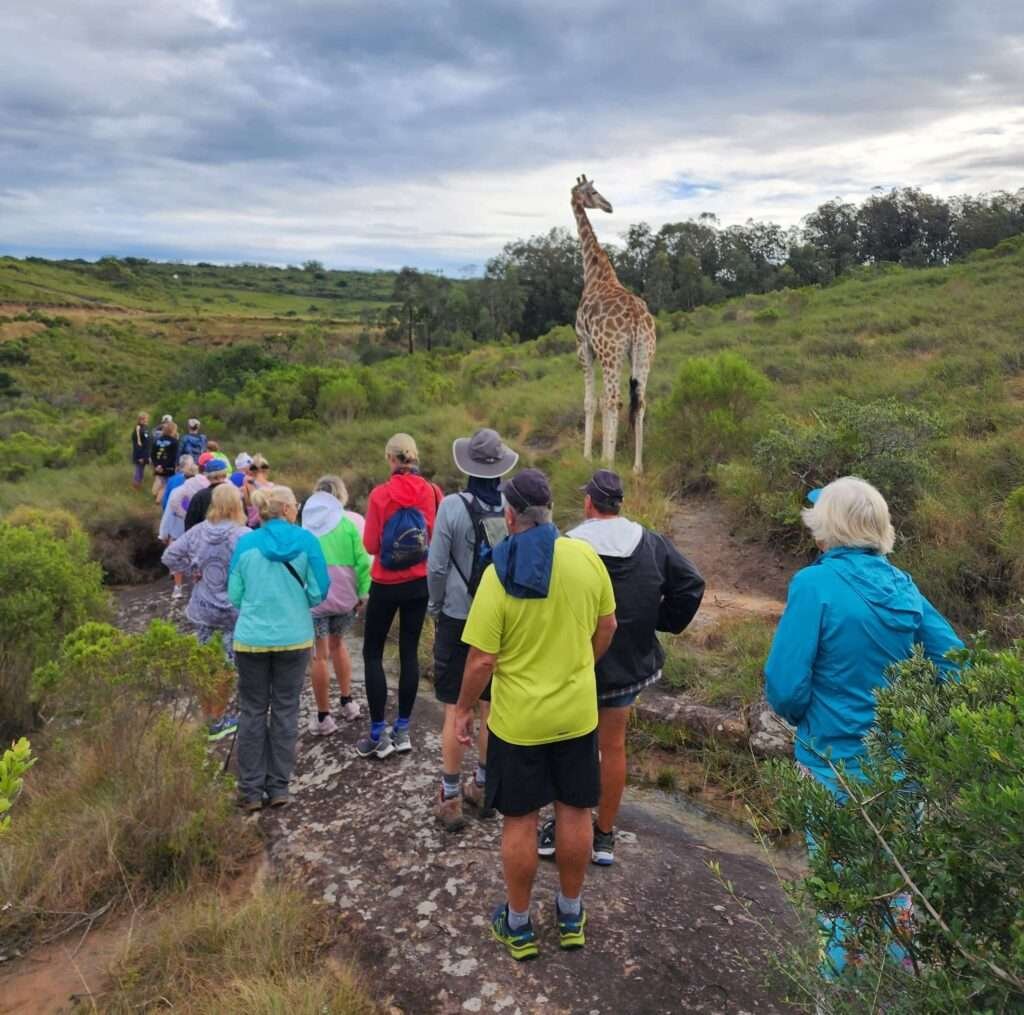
column 634, row 401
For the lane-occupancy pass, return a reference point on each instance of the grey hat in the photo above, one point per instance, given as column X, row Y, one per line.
column 483, row 455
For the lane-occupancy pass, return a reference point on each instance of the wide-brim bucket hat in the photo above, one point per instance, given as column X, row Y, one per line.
column 484, row 455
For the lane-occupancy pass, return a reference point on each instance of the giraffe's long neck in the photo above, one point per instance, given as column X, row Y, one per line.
column 596, row 266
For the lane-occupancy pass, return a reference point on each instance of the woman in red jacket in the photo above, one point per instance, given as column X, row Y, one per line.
column 399, row 523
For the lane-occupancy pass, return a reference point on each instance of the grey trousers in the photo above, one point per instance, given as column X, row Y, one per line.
column 268, row 682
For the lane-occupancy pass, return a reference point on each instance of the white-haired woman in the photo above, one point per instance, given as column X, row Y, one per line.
column 848, row 617
column 277, row 574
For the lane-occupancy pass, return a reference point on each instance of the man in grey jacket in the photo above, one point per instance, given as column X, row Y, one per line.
column 467, row 526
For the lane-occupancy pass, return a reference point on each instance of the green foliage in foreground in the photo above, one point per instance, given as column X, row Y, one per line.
column 940, row 816
column 48, row 586
column 14, row 763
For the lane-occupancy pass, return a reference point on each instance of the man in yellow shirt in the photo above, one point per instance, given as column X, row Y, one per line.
column 543, row 614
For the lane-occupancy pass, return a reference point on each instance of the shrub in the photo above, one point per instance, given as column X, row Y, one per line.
column 14, row 763
column 557, row 341
column 939, row 815
column 707, row 416
column 47, row 587
column 886, row 442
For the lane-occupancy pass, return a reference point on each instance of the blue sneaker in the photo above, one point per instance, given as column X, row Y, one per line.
column 570, row 928
column 222, row 727
column 522, row 943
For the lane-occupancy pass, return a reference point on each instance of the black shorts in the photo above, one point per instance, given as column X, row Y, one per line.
column 450, row 654
column 521, row 780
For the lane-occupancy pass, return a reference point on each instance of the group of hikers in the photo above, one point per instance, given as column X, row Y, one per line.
column 548, row 638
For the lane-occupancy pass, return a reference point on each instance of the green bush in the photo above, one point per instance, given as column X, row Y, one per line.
column 940, row 815
column 48, row 586
column 708, row 415
column 885, row 442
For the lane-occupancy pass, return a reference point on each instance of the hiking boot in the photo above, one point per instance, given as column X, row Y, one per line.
column 546, row 839
column 400, row 738
column 603, row 851
column 449, row 812
column 473, row 794
column 222, row 727
column 349, row 711
column 250, row 804
column 325, row 728
column 521, row 944
column 177, row 592
column 570, row 928
column 370, row 748
column 281, row 800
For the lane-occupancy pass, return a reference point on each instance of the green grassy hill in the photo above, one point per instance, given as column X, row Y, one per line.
column 912, row 378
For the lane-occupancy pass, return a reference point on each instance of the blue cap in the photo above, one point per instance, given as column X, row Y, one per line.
column 812, row 497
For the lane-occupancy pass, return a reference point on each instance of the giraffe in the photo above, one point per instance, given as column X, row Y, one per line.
column 611, row 323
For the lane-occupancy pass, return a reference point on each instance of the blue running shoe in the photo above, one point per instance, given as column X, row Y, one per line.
column 222, row 727
column 522, row 943
column 570, row 928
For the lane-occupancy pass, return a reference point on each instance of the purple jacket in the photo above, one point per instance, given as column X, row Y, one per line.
column 206, row 550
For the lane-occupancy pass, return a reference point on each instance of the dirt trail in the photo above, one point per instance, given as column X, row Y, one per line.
column 664, row 935
column 744, row 578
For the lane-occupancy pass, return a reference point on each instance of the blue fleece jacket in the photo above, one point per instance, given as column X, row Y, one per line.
column 273, row 608
column 848, row 617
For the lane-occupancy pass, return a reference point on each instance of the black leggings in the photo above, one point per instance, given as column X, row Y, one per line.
column 409, row 600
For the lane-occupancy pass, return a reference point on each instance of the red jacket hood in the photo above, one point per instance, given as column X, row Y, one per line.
column 406, row 489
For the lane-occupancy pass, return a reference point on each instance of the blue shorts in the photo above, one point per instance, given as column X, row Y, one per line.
column 620, row 700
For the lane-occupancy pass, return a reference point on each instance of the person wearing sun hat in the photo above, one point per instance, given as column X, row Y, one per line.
column 468, row 526
column 543, row 614
column 242, row 462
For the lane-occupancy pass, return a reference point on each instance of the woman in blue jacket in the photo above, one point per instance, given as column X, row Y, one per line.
column 848, row 617
column 277, row 573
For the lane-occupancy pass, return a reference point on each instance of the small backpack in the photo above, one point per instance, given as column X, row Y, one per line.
column 489, row 529
column 404, row 541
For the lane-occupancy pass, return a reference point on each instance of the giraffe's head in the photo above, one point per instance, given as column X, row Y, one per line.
column 586, row 193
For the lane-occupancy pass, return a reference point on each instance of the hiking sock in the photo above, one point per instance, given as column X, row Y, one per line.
column 377, row 728
column 450, row 785
column 570, row 907
column 322, row 715
column 345, row 699
column 401, row 724
column 481, row 775
column 517, row 921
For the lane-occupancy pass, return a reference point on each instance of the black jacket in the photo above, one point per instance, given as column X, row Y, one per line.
column 164, row 455
column 140, row 443
column 656, row 589
column 199, row 505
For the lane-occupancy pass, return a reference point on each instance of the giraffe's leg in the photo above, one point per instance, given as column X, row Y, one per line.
column 643, row 354
column 610, row 416
column 586, row 358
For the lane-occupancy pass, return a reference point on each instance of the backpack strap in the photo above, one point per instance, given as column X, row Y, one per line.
column 472, row 522
column 295, row 574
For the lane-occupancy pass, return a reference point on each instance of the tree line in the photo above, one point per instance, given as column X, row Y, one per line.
column 534, row 284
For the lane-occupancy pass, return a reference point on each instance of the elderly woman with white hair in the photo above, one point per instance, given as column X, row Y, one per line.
column 848, row 617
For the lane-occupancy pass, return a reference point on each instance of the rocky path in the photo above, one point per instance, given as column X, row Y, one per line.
column 664, row 935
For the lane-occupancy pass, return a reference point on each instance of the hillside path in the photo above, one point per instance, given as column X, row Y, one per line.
column 663, row 936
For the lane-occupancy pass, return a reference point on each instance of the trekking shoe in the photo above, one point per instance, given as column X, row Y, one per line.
column 250, row 804
column 222, row 727
column 473, row 794
column 570, row 928
column 521, row 944
column 282, row 800
column 323, row 729
column 177, row 592
column 370, row 748
column 546, row 839
column 350, row 710
column 603, row 851
column 400, row 738
column 449, row 812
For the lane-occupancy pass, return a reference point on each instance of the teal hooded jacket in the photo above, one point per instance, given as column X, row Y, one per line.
column 848, row 617
column 273, row 608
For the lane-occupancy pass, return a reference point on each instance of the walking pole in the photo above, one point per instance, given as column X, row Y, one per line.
column 231, row 747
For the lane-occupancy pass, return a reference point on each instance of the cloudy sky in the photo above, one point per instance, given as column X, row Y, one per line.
column 376, row 134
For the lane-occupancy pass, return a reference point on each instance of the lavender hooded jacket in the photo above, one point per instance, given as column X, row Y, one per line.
column 206, row 549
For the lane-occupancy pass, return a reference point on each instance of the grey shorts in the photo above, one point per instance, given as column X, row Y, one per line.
column 334, row 623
